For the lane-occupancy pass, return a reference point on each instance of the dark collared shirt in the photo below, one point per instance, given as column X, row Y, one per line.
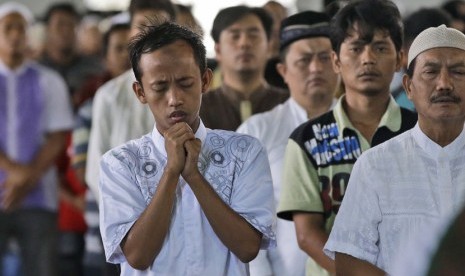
column 221, row 107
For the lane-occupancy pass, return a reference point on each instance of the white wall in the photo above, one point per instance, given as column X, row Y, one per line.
column 205, row 10
column 39, row 7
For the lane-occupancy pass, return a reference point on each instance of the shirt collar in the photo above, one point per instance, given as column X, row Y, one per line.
column 159, row 140
column 8, row 71
column 299, row 112
column 392, row 118
column 236, row 96
column 432, row 148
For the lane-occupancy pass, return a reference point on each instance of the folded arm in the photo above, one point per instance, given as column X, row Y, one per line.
column 21, row 178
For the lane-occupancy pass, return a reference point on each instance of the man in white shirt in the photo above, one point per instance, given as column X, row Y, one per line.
column 415, row 179
column 306, row 67
column 35, row 114
column 183, row 199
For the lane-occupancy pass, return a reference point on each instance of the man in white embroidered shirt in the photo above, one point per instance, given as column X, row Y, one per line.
column 184, row 199
column 415, row 179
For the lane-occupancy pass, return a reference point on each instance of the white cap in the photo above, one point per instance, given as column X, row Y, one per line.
column 14, row 7
column 436, row 37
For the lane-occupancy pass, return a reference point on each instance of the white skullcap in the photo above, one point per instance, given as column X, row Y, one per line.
column 13, row 7
column 436, row 37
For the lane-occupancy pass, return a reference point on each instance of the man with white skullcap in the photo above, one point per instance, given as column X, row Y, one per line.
column 415, row 180
column 35, row 113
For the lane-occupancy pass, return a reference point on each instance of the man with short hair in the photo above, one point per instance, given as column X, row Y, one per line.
column 183, row 199
column 241, row 36
column 35, row 114
column 306, row 67
column 416, row 179
column 60, row 50
column 366, row 38
column 115, row 42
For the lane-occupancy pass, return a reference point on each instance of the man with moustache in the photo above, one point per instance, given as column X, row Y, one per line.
column 183, row 199
column 366, row 38
column 306, row 67
column 241, row 36
column 416, row 179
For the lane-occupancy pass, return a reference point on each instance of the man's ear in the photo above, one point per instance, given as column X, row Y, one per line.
column 400, row 60
column 206, row 80
column 336, row 62
column 217, row 52
column 139, row 91
column 281, row 68
column 407, row 83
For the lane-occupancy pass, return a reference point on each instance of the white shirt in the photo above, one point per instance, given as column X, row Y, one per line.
column 117, row 117
column 414, row 258
column 395, row 190
column 273, row 129
column 237, row 168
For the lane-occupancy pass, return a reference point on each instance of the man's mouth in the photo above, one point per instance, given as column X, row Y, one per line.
column 177, row 116
column 445, row 99
column 316, row 81
column 369, row 74
column 245, row 56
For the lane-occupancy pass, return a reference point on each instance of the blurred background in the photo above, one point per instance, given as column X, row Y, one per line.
column 205, row 10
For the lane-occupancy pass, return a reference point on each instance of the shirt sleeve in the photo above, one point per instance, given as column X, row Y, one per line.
column 59, row 114
column 300, row 186
column 355, row 231
column 252, row 195
column 121, row 203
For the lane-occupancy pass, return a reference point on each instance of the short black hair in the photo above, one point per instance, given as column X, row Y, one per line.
column 114, row 28
column 163, row 5
column 452, row 8
column 61, row 7
column 370, row 15
column 228, row 16
column 157, row 35
column 423, row 19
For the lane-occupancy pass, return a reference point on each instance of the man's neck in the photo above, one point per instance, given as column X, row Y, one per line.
column 318, row 108
column 13, row 62
column 60, row 57
column 244, row 83
column 442, row 132
column 365, row 112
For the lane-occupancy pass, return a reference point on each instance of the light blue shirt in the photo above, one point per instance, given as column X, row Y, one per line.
column 237, row 168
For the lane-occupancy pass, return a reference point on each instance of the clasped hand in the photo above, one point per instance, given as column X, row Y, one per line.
column 183, row 150
column 19, row 182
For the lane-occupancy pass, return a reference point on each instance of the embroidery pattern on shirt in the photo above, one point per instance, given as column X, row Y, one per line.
column 142, row 167
column 266, row 230
column 217, row 162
